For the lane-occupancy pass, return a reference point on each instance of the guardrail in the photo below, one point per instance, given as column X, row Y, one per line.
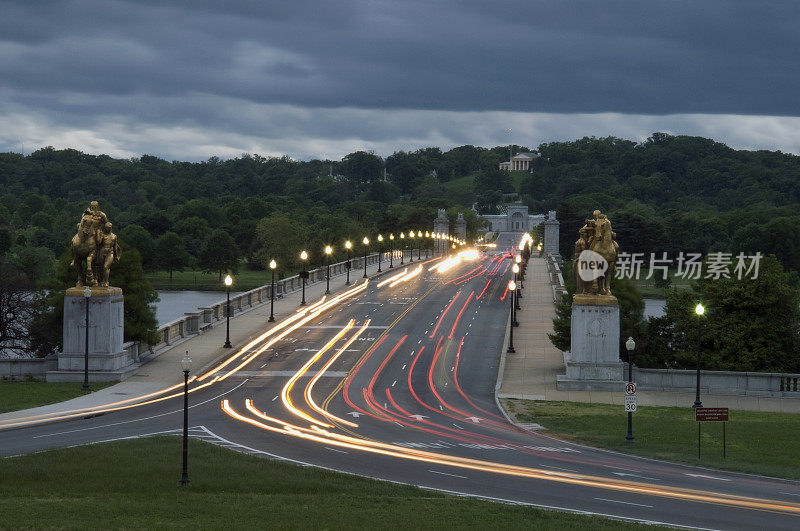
column 761, row 384
column 204, row 317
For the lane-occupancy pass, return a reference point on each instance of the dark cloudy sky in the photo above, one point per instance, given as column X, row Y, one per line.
column 188, row 80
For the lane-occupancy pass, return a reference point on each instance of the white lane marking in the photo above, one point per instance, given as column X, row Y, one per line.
column 559, row 468
column 457, row 426
column 274, row 399
column 138, row 420
column 398, row 424
column 790, row 493
column 263, row 366
column 426, row 333
column 626, row 503
column 403, row 367
column 446, row 474
column 394, row 383
column 706, row 477
column 418, row 342
column 334, row 450
column 635, row 476
column 440, row 408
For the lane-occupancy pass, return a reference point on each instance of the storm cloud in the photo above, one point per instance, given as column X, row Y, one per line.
column 311, row 79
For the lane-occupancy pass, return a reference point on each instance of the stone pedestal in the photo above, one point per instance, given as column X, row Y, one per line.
column 551, row 233
column 593, row 363
column 106, row 325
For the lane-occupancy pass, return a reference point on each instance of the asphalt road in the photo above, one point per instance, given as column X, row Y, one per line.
column 396, row 381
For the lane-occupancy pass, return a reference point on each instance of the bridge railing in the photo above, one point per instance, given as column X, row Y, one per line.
column 203, row 318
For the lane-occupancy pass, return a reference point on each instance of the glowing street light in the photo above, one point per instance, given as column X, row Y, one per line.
column 380, row 251
column 411, row 235
column 515, row 269
column 303, row 274
column 699, row 310
column 365, row 241
column 511, row 288
column 348, row 245
column 228, row 282
column 328, row 251
column 186, row 365
column 272, row 265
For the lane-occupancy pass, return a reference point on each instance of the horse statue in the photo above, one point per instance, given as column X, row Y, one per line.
column 582, row 244
column 603, row 244
column 84, row 250
column 86, row 245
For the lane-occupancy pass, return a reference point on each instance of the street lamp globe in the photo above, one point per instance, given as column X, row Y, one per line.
column 186, row 362
column 348, row 244
column 380, row 238
column 518, row 259
column 273, row 264
column 366, row 240
column 402, row 235
column 87, row 291
column 303, row 255
column 630, row 344
column 512, row 285
column 228, row 280
column 515, row 269
column 699, row 309
column 391, row 236
column 328, row 249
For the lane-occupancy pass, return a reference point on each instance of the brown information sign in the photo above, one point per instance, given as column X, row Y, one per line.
column 710, row 414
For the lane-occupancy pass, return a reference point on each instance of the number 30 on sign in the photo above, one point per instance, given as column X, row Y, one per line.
column 630, row 403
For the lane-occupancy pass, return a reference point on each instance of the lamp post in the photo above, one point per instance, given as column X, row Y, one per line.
column 419, row 245
column 380, row 251
column 630, row 344
column 272, row 266
column 365, row 241
column 699, row 310
column 348, row 245
column 515, row 269
column 402, row 247
column 87, row 294
column 511, row 288
column 518, row 263
column 411, row 235
column 427, row 236
column 228, row 282
column 328, row 252
column 391, row 251
column 303, row 257
column 186, row 365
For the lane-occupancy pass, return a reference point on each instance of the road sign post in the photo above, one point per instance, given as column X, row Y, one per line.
column 630, row 407
column 712, row 414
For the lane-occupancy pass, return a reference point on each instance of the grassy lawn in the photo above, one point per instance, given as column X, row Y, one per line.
column 244, row 280
column 757, row 442
column 134, row 484
column 462, row 183
column 16, row 395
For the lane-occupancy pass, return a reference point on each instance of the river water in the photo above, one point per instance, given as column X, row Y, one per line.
column 174, row 304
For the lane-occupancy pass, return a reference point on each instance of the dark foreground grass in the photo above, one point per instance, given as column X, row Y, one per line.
column 134, row 484
column 16, row 395
column 757, row 443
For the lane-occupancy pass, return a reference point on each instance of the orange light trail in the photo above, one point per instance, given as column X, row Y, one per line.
column 287, row 400
column 321, row 436
column 310, row 386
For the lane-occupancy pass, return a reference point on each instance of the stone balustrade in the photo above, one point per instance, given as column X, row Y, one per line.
column 761, row 384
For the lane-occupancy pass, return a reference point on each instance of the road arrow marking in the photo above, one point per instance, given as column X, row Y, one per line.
column 476, row 420
column 418, row 417
column 706, row 477
column 355, row 414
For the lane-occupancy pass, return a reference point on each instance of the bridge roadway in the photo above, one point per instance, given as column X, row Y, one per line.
column 407, row 394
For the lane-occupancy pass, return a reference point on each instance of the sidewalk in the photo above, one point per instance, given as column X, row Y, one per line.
column 531, row 372
column 205, row 349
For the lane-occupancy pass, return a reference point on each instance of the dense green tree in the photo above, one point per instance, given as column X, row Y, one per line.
column 219, row 253
column 36, row 263
column 749, row 325
column 170, row 253
column 137, row 237
column 279, row 238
